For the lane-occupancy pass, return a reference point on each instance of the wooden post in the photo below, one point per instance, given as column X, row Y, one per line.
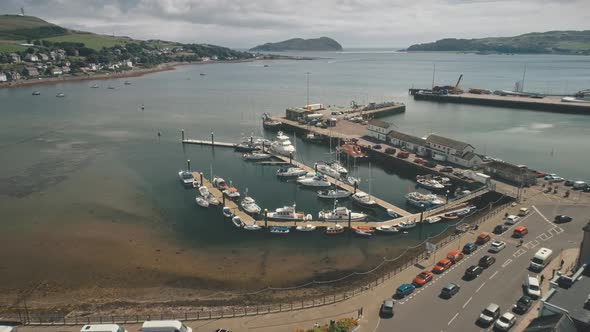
column 182, row 134
column 265, row 218
column 201, row 178
column 355, row 186
column 263, row 146
column 349, row 218
column 290, row 157
column 212, row 139
column 222, row 199
column 188, row 164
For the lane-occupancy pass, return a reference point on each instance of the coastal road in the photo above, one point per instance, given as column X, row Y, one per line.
column 501, row 283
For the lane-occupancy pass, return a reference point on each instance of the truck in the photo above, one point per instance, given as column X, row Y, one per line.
column 314, row 107
column 541, row 259
column 479, row 177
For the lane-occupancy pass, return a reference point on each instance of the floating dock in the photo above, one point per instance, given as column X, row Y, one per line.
column 210, row 143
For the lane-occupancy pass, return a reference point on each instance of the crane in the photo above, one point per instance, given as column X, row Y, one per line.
column 456, row 89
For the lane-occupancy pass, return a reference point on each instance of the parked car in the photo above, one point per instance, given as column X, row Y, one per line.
column 404, row 290
column 442, row 265
column 505, row 322
column 447, row 169
column 523, row 212
column 523, row 305
column 469, row 247
column 390, row 150
column 487, row 261
column 499, row 229
column 489, row 314
column 419, row 161
column 376, row 147
column 430, row 164
column 532, row 287
column 422, row 278
column 568, row 183
column 403, row 154
column 511, row 219
column 497, row 246
column 473, row 272
column 550, row 176
column 562, row 219
column 386, row 308
column 449, row 290
column 483, row 238
column 455, row 256
column 520, row 232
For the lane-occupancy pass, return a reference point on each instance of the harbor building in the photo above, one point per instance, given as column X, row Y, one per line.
column 510, row 173
column 379, row 129
column 297, row 113
column 407, row 142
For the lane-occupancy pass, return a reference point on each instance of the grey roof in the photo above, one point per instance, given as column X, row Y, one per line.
column 573, row 298
column 587, row 227
column 379, row 123
column 469, row 155
column 406, row 138
column 451, row 143
column 551, row 323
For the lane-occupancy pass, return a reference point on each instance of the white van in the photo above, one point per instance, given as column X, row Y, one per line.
column 102, row 328
column 533, row 288
column 523, row 212
column 4, row 328
column 541, row 258
column 579, row 185
column 164, row 326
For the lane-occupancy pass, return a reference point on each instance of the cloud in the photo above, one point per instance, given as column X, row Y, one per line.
column 354, row 23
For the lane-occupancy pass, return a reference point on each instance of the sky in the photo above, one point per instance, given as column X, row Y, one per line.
column 353, row 23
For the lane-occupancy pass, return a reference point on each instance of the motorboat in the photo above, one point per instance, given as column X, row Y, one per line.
column 219, row 183
column 249, row 205
column 392, row 214
column 282, row 145
column 280, row 229
column 450, row 216
column 314, row 138
column 269, row 123
column 232, row 192
column 186, row 178
column 387, row 229
column 208, row 196
column 337, row 166
column 256, row 156
column 306, row 228
column 227, row 212
column 252, row 227
column 287, row 213
column 363, row 198
column 363, row 231
column 422, row 200
column 196, row 184
column 59, row 95
column 351, row 150
column 315, row 181
column 202, row 201
column 237, row 222
column 127, row 83
column 336, row 229
column 465, row 211
column 407, row 224
column 430, row 184
column 341, row 213
column 334, row 193
column 432, row 220
column 327, row 170
column 244, row 147
column 36, row 93
column 111, row 87
column 351, row 180
column 289, row 172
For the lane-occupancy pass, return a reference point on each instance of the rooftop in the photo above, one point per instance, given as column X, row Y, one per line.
column 551, row 323
column 379, row 123
column 406, row 138
column 572, row 299
column 451, row 143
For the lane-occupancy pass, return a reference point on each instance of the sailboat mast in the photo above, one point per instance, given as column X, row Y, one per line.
column 523, row 75
column 433, row 72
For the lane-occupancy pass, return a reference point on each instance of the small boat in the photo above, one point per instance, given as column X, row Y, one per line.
column 450, row 216
column 208, row 196
column 127, row 83
column 432, row 220
column 407, row 224
column 111, row 87
column 351, row 180
column 314, row 138
column 252, row 227
column 337, row 166
column 269, row 123
column 351, row 150
column 288, row 172
column 203, row 74
column 336, row 229
column 244, row 147
column 219, row 183
column 265, row 66
column 430, row 184
column 227, row 212
column 196, row 184
column 36, row 93
column 423, row 201
column 341, row 213
column 186, row 178
column 306, row 228
column 392, row 214
column 387, row 229
column 59, row 95
column 232, row 193
column 334, row 193
column 280, row 229
column 249, row 205
column 315, row 181
column 94, row 86
column 201, row 201
column 465, row 211
column 363, row 198
column 363, row 231
column 325, row 169
column 237, row 222
column 288, row 213
column 256, row 156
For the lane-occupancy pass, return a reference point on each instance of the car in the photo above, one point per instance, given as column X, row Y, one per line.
column 586, row 189
column 499, row 229
column 505, row 322
column 568, row 183
column 473, row 271
column 497, row 246
column 449, row 290
column 386, row 308
column 562, row 219
column 422, row 278
column 442, row 265
column 486, row 261
column 557, row 179
column 404, row 290
column 469, row 247
column 489, row 314
column 390, row 151
column 419, row 161
column 520, row 232
column 447, row 169
column 532, row 287
column 483, row 238
column 511, row 219
column 430, row 164
column 550, row 176
column 523, row 304
column 376, row 147
column 222, row 330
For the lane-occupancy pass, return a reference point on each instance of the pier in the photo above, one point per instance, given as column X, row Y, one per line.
column 210, row 143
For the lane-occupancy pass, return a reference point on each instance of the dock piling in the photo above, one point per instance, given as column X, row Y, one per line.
column 182, row 134
column 212, row 139
column 201, row 178
column 188, row 165
column 349, row 218
column 222, row 199
column 265, row 218
column 290, row 157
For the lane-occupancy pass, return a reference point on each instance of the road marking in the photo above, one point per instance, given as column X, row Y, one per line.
column 452, row 319
column 466, row 303
column 542, row 216
column 480, row 287
column 493, row 275
column 376, row 327
column 544, row 237
column 519, row 253
column 507, row 262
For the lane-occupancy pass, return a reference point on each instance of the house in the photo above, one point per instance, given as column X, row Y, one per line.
column 379, row 129
column 31, row 58
column 65, row 69
column 13, row 75
column 56, row 71
column 407, row 142
column 43, row 57
column 93, row 66
column 214, row 57
column 128, row 63
column 510, row 173
column 31, row 72
column 3, row 77
column 456, row 152
column 15, row 58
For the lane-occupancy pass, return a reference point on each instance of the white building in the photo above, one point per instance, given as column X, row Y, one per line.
column 3, row 77
column 379, row 129
column 456, row 152
column 31, row 57
column 128, row 63
column 407, row 142
column 56, row 71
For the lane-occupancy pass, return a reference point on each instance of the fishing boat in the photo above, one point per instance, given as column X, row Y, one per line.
column 289, row 172
column 36, row 93
column 336, row 229
column 432, row 220
column 363, row 198
column 430, row 184
column 387, row 229
column 219, row 183
column 423, row 201
column 287, row 213
column 269, row 123
column 282, row 145
column 202, row 201
column 306, row 228
column 237, row 222
column 315, row 181
column 59, row 95
column 232, row 193
column 327, row 170
column 186, row 178
column 407, row 224
column 351, row 150
column 256, row 156
column 280, row 229
column 314, row 138
column 252, row 227
column 334, row 193
column 341, row 213
column 392, row 214
column 249, row 205
column 337, row 166
column 227, row 212
column 363, row 231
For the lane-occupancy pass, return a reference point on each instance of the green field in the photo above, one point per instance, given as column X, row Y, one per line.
column 10, row 46
column 15, row 22
column 96, row 42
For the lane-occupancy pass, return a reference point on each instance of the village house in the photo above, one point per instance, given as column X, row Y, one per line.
column 13, row 75
column 31, row 72
column 379, row 129
column 31, row 58
column 15, row 58
column 92, row 67
column 128, row 63
column 56, row 71
column 3, row 77
column 407, row 142
column 65, row 69
column 43, row 57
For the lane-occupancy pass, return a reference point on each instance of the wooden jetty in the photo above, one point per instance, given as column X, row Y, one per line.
column 210, row 143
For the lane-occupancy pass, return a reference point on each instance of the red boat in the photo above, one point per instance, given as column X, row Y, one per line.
column 352, row 150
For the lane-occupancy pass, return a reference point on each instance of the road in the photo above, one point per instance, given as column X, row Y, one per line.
column 501, row 283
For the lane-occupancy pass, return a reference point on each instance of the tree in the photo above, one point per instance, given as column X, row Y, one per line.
column 37, row 42
column 31, row 50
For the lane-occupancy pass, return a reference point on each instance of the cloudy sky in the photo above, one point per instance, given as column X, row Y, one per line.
column 354, row 23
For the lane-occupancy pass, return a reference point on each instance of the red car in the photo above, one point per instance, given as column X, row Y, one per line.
column 422, row 278
column 442, row 265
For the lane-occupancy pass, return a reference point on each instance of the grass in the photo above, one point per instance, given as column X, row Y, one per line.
column 96, row 42
column 15, row 22
column 575, row 45
column 9, row 46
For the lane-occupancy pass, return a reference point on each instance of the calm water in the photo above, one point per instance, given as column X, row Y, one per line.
column 50, row 145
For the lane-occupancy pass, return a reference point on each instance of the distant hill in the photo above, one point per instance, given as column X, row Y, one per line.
column 298, row 44
column 561, row 42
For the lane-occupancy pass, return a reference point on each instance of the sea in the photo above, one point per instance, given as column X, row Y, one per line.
column 61, row 156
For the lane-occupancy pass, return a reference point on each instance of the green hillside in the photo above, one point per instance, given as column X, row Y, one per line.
column 560, row 42
column 298, row 44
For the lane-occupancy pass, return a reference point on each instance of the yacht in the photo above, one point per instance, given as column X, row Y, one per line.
column 407, row 224
column 363, row 198
column 220, row 184
column 282, row 145
column 288, row 172
column 287, row 213
column 334, row 193
column 252, row 227
column 337, row 166
column 306, row 228
column 333, row 230
column 256, row 156
column 237, row 222
column 315, row 181
column 325, row 169
column 244, row 147
column 186, row 178
column 341, row 213
column 430, row 184
column 249, row 205
column 202, row 201
column 351, row 180
column 387, row 229
column 423, row 201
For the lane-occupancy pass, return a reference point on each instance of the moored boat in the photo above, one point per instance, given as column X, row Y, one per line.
column 288, row 213
column 244, row 147
column 432, row 220
column 232, row 193
column 252, row 227
column 314, row 138
column 341, row 213
column 280, row 229
column 430, row 184
column 36, row 93
column 186, row 178
column 392, row 214
column 334, row 193
column 249, row 205
column 226, row 211
column 306, row 228
column 422, row 200
column 60, row 95
column 282, row 145
column 407, row 224
column 351, row 150
column 333, row 230
column 351, row 180
column 208, row 196
column 237, row 222
column 327, row 170
column 363, row 198
column 337, row 166
column 387, row 229
column 315, row 181
column 269, row 123
column 363, row 231
column 219, row 183
column 288, row 172
column 256, row 156
column 201, row 201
